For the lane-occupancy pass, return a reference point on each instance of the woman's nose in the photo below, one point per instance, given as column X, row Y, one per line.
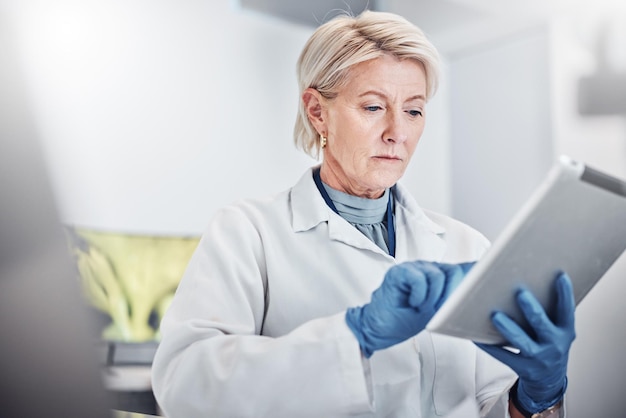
column 396, row 129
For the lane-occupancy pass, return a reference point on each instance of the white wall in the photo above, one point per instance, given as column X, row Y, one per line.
column 155, row 113
column 501, row 142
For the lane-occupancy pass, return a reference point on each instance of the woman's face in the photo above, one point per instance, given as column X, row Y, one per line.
column 373, row 125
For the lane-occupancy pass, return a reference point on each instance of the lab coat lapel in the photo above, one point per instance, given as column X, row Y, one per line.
column 341, row 230
column 417, row 236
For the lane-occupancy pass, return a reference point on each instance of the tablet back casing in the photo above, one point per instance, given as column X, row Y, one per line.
column 574, row 222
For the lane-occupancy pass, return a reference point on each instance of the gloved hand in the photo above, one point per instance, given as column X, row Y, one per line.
column 401, row 307
column 541, row 363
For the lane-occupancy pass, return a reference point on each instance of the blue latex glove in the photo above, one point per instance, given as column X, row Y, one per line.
column 401, row 307
column 541, row 363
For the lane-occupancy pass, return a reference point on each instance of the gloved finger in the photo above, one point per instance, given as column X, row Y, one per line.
column 513, row 333
column 566, row 303
column 397, row 289
column 535, row 315
column 436, row 281
column 451, row 270
column 454, row 275
column 467, row 266
column 417, row 281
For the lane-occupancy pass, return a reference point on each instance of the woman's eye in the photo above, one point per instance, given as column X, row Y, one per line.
column 415, row 112
column 372, row 108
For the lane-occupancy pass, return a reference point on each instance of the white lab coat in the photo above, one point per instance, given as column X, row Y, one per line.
column 219, row 357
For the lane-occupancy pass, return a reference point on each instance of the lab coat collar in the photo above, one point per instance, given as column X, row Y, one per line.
column 417, row 236
column 308, row 208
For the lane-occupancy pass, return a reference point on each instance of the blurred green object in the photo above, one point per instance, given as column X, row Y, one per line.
column 130, row 277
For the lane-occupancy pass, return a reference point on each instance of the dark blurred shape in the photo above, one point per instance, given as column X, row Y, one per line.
column 48, row 363
column 311, row 13
column 603, row 93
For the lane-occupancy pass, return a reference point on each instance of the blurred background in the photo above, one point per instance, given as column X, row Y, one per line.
column 151, row 114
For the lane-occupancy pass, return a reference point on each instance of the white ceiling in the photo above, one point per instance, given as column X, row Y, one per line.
column 453, row 25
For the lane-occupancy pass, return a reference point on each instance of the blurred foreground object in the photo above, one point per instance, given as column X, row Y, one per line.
column 48, row 364
column 131, row 278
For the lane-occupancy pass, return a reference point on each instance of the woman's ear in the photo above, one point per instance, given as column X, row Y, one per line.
column 313, row 104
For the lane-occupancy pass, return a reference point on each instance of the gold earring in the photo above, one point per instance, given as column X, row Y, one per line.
column 322, row 141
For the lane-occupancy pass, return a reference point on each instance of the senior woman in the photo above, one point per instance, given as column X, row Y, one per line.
column 313, row 302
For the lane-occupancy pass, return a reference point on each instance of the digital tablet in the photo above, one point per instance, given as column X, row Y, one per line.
column 574, row 222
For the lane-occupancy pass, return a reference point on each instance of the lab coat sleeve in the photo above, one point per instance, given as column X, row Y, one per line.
column 211, row 360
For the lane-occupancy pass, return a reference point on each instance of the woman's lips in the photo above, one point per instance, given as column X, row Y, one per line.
column 388, row 157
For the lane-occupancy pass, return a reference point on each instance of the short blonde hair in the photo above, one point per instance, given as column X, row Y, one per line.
column 345, row 41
